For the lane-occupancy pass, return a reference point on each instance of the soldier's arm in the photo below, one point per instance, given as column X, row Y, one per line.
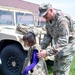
column 46, row 40
column 63, row 38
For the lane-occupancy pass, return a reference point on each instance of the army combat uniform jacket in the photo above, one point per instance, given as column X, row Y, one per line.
column 58, row 33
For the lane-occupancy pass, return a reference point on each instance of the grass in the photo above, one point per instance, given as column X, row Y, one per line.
column 72, row 69
column 50, row 70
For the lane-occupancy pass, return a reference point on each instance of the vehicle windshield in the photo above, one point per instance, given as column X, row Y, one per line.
column 24, row 18
column 6, row 17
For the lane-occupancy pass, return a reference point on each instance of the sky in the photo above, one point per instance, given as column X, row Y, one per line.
column 67, row 6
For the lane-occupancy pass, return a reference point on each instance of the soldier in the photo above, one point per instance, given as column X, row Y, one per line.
column 57, row 27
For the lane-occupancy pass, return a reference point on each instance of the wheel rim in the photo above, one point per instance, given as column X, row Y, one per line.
column 13, row 63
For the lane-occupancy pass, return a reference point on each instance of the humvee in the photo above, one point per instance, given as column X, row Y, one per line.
column 12, row 50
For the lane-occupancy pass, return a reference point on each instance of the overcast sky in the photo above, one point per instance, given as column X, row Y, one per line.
column 67, row 6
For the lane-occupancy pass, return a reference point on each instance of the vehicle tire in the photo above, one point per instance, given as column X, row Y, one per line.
column 12, row 60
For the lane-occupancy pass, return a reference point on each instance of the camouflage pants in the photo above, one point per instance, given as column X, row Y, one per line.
column 63, row 60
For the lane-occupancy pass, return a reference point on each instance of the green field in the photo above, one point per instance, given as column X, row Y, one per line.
column 72, row 70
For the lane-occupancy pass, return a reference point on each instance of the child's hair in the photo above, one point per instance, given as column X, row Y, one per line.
column 30, row 37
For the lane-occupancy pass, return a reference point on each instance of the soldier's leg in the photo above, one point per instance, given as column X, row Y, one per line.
column 62, row 67
column 63, row 61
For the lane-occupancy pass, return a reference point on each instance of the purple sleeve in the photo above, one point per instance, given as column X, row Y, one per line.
column 34, row 62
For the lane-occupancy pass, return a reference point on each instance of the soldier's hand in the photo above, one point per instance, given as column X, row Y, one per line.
column 42, row 54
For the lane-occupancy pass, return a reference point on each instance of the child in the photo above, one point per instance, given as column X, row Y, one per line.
column 29, row 39
column 33, row 65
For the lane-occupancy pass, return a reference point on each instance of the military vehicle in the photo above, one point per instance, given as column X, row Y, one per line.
column 12, row 50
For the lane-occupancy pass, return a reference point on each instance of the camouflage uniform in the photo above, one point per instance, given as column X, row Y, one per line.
column 58, row 31
column 40, row 68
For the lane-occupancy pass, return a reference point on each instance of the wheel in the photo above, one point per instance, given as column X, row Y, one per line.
column 12, row 60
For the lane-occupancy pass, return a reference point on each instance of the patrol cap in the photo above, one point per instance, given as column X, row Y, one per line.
column 44, row 8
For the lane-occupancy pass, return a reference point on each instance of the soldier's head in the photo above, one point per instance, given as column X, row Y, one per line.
column 46, row 11
column 29, row 39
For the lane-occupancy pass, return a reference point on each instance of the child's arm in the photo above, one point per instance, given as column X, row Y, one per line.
column 34, row 62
